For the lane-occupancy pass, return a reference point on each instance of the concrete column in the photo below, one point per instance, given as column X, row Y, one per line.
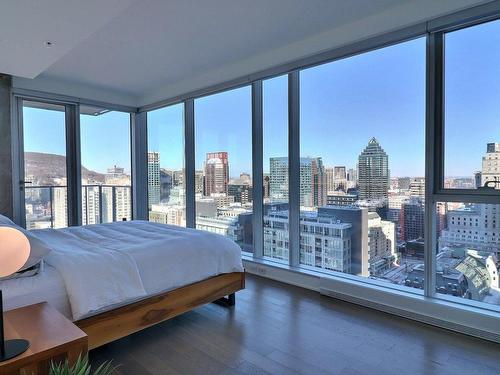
column 6, row 201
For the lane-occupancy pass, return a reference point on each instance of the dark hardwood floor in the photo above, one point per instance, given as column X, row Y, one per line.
column 280, row 329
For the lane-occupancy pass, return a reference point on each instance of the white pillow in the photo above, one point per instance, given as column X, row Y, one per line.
column 39, row 249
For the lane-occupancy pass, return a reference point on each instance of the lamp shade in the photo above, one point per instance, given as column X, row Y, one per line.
column 14, row 250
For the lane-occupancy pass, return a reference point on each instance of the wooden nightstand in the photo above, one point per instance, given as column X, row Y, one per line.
column 51, row 335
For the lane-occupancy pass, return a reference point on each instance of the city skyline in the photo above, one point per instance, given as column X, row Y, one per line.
column 331, row 97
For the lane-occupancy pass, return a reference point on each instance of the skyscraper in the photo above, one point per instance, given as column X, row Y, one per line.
column 278, row 179
column 412, row 219
column 199, row 182
column 491, row 164
column 312, row 181
column 153, row 178
column 330, row 180
column 373, row 172
column 318, row 182
column 216, row 173
column 117, row 200
column 340, row 178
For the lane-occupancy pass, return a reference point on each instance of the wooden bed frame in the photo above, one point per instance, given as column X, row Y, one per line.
column 123, row 321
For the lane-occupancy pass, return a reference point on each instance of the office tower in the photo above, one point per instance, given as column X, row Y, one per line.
column 404, row 183
column 340, row 178
column 417, row 188
column 352, row 178
column 312, row 181
column 166, row 184
column 245, row 178
column 241, row 192
column 325, row 241
column 117, row 198
column 115, row 172
column 491, row 165
column 199, row 179
column 222, row 200
column 394, row 211
column 122, row 203
column 60, row 207
column 339, row 198
column 412, row 219
column 477, row 226
column 266, row 185
column 178, row 177
column 278, row 179
column 357, row 218
column 318, row 182
column 381, row 244
column 91, row 204
column 330, row 180
column 153, row 178
column 474, row 227
column 168, row 214
column 216, row 173
column 478, row 179
column 373, row 172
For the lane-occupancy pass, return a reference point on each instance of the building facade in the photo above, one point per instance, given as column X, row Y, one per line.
column 216, row 173
column 312, row 181
column 373, row 172
column 153, row 178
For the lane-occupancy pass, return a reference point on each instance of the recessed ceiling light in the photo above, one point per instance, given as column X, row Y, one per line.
column 48, row 43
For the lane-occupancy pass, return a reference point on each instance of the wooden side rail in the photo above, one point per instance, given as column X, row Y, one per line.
column 123, row 321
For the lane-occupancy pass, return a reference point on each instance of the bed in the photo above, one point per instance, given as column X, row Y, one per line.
column 117, row 278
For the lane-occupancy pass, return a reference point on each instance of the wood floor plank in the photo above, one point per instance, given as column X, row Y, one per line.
column 281, row 329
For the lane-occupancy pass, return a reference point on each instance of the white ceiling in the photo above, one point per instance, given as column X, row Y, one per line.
column 136, row 52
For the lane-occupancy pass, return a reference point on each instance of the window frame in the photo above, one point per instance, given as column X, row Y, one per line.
column 433, row 30
column 73, row 148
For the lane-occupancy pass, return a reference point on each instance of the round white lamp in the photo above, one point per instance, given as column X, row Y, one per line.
column 14, row 252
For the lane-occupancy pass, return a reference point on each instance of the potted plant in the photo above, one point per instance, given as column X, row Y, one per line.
column 81, row 367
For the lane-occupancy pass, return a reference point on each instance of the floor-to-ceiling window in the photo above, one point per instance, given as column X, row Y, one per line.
column 106, row 165
column 223, row 149
column 166, row 187
column 362, row 174
column 275, row 168
column 45, row 175
column 467, row 254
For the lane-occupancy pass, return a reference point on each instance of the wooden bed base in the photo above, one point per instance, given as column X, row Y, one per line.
column 123, row 321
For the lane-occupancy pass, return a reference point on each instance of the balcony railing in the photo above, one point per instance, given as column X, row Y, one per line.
column 46, row 206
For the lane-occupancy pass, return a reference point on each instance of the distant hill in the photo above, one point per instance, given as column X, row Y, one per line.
column 46, row 167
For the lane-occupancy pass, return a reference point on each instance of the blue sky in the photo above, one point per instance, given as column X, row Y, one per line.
column 343, row 104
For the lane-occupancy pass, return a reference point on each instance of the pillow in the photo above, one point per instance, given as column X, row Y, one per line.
column 39, row 249
column 27, row 272
column 4, row 220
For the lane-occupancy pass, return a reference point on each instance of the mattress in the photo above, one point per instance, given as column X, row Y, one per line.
column 96, row 268
column 46, row 286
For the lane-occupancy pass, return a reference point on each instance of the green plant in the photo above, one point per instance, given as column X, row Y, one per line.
column 81, row 367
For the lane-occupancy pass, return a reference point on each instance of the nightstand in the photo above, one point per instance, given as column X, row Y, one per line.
column 51, row 335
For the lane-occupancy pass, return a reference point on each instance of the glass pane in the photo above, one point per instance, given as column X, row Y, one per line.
column 356, row 217
column 472, row 94
column 106, row 165
column 223, row 129
column 275, row 145
column 45, row 176
column 166, row 189
column 467, row 257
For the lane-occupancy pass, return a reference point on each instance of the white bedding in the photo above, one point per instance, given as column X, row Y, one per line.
column 47, row 286
column 107, row 265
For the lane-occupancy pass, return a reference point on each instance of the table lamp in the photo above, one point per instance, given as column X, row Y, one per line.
column 14, row 252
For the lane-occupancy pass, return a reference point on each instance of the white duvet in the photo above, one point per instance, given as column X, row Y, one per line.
column 107, row 265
